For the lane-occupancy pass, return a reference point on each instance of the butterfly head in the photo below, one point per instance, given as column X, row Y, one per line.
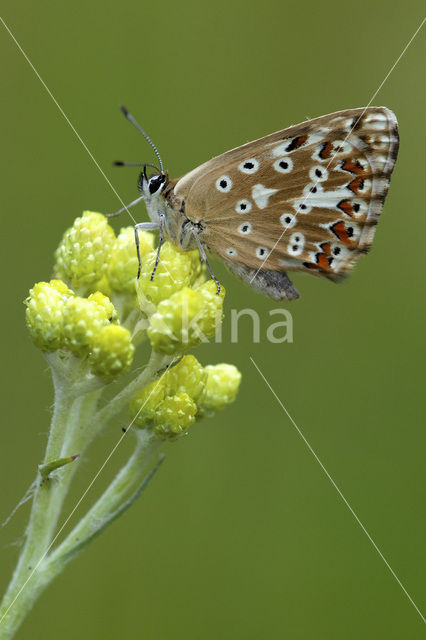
column 151, row 186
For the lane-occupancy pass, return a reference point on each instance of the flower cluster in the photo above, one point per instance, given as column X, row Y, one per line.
column 184, row 393
column 95, row 306
column 87, row 327
column 90, row 320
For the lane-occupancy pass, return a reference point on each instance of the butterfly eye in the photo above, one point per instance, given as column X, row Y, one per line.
column 283, row 165
column 155, row 183
column 243, row 206
column 249, row 166
column 224, row 184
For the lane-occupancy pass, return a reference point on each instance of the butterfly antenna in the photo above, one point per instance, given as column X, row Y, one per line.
column 145, row 135
column 119, row 163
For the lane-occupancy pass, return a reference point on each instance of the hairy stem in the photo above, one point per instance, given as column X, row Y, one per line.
column 75, row 422
column 119, row 496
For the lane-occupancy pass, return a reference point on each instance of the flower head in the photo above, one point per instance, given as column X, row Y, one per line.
column 184, row 393
column 123, row 262
column 111, row 351
column 83, row 318
column 84, row 251
column 180, row 309
column 44, row 314
column 223, row 381
column 186, row 319
column 176, row 269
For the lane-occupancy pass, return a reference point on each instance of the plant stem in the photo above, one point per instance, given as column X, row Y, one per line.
column 47, row 502
column 119, row 496
column 73, row 427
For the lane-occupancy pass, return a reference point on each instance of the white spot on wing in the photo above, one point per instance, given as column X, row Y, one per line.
column 243, row 206
column 283, row 165
column 318, row 173
column 249, row 166
column 288, row 220
column 262, row 252
column 377, row 121
column 281, row 149
column 312, row 190
column 348, row 125
column 245, row 228
column 296, row 244
column 232, row 253
column 224, row 184
column 342, row 146
column 261, row 195
column 303, row 206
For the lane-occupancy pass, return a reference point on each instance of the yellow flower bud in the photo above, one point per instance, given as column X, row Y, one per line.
column 45, row 314
column 144, row 407
column 223, row 381
column 187, row 318
column 168, row 405
column 188, row 376
column 111, row 351
column 105, row 304
column 83, row 319
column 175, row 415
column 175, row 270
column 123, row 262
column 83, row 253
column 61, row 287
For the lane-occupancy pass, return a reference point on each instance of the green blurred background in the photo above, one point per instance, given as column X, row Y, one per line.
column 241, row 535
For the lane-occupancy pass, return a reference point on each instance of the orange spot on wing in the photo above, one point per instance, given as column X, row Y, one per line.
column 356, row 184
column 353, row 166
column 339, row 230
column 326, row 150
column 322, row 261
column 346, row 207
column 326, row 248
column 296, row 143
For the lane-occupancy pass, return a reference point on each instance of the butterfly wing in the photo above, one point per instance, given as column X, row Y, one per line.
column 304, row 199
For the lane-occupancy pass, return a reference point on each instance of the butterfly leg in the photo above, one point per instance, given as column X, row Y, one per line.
column 204, row 257
column 162, row 218
column 142, row 226
column 126, row 208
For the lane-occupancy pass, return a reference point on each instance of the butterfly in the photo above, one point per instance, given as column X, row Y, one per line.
column 306, row 198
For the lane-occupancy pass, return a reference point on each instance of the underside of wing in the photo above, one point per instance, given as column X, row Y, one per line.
column 305, row 199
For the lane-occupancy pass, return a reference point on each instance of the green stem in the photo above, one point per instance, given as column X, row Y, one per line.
column 69, row 434
column 28, row 584
column 73, row 427
column 48, row 498
column 118, row 497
